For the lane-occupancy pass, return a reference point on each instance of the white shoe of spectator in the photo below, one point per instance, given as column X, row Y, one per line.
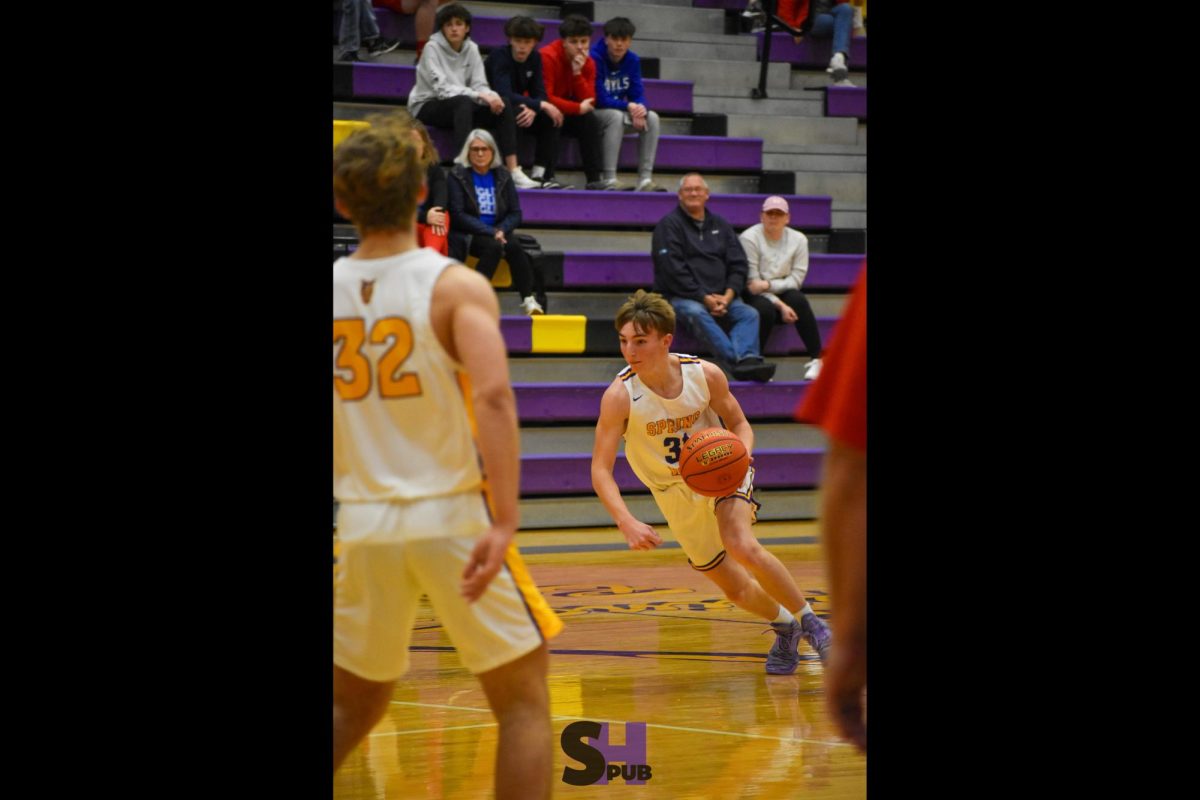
column 812, row 369
column 523, row 181
column 843, row 82
column 837, row 67
column 531, row 307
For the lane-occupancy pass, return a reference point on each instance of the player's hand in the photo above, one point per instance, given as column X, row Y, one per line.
column 587, row 105
column 787, row 313
column 486, row 559
column 555, row 115
column 640, row 535
column 524, row 117
column 845, row 691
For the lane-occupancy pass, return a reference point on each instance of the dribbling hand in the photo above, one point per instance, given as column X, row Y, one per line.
column 640, row 535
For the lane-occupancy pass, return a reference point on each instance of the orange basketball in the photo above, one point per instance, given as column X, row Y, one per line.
column 714, row 462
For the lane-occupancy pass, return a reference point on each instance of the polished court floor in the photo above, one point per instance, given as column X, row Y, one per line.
column 647, row 640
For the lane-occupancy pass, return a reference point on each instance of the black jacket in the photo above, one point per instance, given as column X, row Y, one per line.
column 464, row 209
column 692, row 263
column 439, row 193
column 516, row 83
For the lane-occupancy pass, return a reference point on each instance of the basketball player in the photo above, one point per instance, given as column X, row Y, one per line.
column 407, row 324
column 656, row 403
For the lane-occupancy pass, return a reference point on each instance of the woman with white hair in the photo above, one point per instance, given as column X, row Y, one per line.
column 484, row 212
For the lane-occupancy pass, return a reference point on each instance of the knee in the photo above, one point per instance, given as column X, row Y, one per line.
column 744, row 549
column 652, row 121
column 843, row 11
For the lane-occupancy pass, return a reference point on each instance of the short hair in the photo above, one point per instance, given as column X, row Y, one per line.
column 478, row 133
column 378, row 174
column 575, row 25
column 430, row 155
column 648, row 311
column 683, row 178
column 452, row 11
column 620, row 28
column 524, row 28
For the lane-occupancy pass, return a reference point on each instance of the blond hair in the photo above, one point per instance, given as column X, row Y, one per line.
column 648, row 311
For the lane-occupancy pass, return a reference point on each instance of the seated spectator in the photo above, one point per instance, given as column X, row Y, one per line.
column 451, row 89
column 778, row 261
column 700, row 268
column 515, row 73
column 432, row 229
column 484, row 212
column 822, row 19
column 358, row 28
column 621, row 98
column 423, row 12
column 571, row 86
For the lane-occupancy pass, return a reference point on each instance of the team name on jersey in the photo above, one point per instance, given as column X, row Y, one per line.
column 660, row 426
column 616, row 84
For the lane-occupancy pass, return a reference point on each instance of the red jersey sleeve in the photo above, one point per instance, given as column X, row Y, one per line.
column 837, row 400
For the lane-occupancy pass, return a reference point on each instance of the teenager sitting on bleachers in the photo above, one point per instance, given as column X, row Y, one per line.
column 484, row 212
column 452, row 91
column 432, row 230
column 621, row 103
column 571, row 86
column 358, row 28
column 515, row 72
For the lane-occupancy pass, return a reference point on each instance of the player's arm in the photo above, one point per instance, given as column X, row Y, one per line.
column 721, row 400
column 465, row 300
column 614, row 413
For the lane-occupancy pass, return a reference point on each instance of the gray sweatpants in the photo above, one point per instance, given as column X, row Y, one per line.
column 615, row 125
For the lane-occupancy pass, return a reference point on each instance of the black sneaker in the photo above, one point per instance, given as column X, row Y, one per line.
column 378, row 46
column 550, row 183
column 348, row 55
column 761, row 372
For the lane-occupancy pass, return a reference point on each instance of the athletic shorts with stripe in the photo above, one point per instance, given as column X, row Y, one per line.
column 693, row 521
column 383, row 567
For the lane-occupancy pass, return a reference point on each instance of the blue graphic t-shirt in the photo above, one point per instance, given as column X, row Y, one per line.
column 485, row 195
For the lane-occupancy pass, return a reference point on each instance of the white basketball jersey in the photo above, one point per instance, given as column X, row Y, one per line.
column 401, row 429
column 658, row 427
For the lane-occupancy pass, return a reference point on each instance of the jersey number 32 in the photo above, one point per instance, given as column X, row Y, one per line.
column 352, row 334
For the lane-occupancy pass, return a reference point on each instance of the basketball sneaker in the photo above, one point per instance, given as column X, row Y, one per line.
column 782, row 659
column 817, row 634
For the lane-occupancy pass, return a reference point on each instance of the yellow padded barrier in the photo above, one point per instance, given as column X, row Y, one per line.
column 344, row 127
column 559, row 333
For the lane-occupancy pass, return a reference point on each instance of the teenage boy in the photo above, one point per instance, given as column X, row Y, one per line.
column 515, row 73
column 571, row 86
column 621, row 100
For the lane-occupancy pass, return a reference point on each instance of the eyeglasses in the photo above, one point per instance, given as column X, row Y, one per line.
column 480, row 149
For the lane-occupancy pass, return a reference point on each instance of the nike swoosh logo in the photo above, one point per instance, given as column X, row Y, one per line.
column 639, row 397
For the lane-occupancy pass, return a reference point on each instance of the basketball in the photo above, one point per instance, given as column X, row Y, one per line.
column 714, row 462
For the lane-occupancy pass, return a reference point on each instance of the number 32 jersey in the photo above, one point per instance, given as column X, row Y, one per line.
column 658, row 428
column 401, row 429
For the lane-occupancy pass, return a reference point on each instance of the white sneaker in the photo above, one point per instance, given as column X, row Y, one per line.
column 844, row 82
column 523, row 181
column 837, row 67
column 812, row 369
column 531, row 307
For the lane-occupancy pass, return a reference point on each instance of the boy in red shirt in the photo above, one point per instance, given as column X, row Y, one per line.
column 570, row 76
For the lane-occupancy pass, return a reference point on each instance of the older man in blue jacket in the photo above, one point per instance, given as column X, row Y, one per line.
column 619, row 95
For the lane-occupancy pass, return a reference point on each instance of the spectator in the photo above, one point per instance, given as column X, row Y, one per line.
column 823, row 19
column 700, row 268
column 452, row 91
column 423, row 12
column 621, row 103
column 571, row 86
column 515, row 73
column 358, row 28
column 432, row 228
column 778, row 259
column 484, row 212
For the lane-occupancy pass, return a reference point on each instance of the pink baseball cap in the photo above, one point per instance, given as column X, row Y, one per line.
column 775, row 203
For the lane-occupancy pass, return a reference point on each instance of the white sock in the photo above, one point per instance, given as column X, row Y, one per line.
column 806, row 610
column 785, row 617
column 537, row 171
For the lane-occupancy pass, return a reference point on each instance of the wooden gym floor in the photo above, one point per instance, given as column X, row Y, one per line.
column 647, row 639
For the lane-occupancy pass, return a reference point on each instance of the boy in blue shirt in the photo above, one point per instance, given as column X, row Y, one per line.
column 620, row 96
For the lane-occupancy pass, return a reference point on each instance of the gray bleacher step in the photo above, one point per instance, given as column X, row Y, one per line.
column 814, row 162
column 739, row 89
column 401, row 56
column 726, row 51
column 602, row 369
column 848, row 189
column 777, row 130
column 590, row 241
column 819, row 79
column 849, row 220
column 858, row 148
column 668, row 126
column 587, row 511
column 579, row 439
column 604, row 305
column 694, row 38
column 512, row 10
column 651, row 18
column 807, row 107
column 721, row 78
column 717, row 184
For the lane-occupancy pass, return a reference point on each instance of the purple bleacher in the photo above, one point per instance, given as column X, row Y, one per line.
column 517, row 333
column 812, row 52
column 846, row 101
column 580, row 402
column 487, row 32
column 570, row 473
column 580, row 207
column 603, row 270
column 397, row 80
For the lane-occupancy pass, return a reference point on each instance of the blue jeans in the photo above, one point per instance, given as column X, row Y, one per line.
column 358, row 24
column 838, row 24
column 741, row 322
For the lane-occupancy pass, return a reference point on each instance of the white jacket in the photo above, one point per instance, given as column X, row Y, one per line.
column 783, row 265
